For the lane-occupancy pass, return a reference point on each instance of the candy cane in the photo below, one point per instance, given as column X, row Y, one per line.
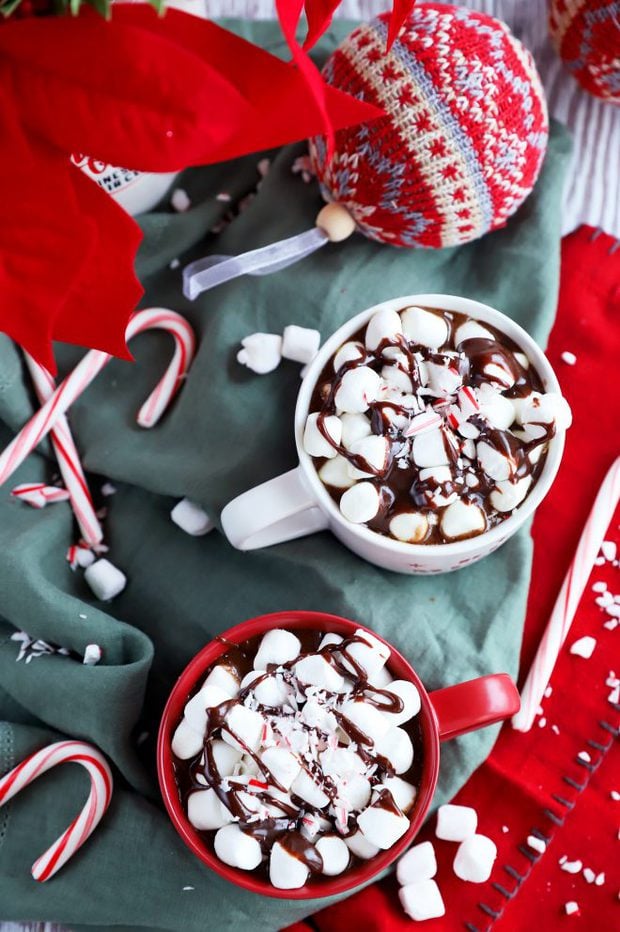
column 89, row 366
column 68, row 459
column 568, row 599
column 85, row 823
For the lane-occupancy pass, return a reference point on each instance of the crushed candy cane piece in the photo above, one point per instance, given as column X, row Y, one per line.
column 571, row 908
column 615, row 795
column 584, row 756
column 599, row 587
column 421, row 423
column 108, row 489
column 588, row 875
column 584, row 647
column 599, row 880
column 38, row 495
column 180, row 200
column 92, row 655
column 572, row 867
column 569, row 358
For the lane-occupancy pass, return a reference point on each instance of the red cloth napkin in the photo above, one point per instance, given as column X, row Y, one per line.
column 535, row 784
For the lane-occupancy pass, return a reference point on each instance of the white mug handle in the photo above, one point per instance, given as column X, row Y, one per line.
column 278, row 510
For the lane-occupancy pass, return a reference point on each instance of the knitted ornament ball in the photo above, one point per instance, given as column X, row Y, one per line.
column 586, row 34
column 463, row 138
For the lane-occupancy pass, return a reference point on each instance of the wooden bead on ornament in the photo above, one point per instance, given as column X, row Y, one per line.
column 464, row 134
column 336, row 222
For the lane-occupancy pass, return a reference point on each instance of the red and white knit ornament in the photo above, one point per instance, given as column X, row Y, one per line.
column 463, row 138
column 586, row 34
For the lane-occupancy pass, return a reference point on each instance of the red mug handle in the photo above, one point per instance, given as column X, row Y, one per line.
column 474, row 704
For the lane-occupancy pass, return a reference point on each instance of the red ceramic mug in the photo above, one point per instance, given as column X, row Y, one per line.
column 445, row 713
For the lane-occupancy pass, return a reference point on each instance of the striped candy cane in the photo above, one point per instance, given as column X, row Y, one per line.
column 45, row 419
column 570, row 594
column 85, row 823
column 68, row 459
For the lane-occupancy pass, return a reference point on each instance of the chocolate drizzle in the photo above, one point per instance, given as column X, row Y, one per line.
column 278, row 814
column 399, row 483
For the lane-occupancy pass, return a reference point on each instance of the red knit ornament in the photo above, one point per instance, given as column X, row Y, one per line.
column 464, row 136
column 586, row 34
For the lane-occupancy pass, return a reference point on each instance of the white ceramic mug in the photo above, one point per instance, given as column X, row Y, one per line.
column 297, row 503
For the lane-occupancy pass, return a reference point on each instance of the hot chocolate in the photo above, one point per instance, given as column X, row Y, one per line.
column 292, row 759
column 429, row 426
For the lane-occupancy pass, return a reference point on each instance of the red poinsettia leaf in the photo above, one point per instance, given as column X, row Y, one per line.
column 289, row 14
column 97, row 309
column 282, row 109
column 124, row 94
column 400, row 11
column 319, row 14
column 45, row 238
column 182, row 90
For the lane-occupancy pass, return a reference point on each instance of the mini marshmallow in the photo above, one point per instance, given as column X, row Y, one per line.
column 315, row 443
column 545, row 409
column 375, row 451
column 522, row 360
column 206, row 812
column 317, row 716
column 360, row 503
column 495, row 464
column 366, row 718
column 422, row 900
column 330, row 638
column 348, row 352
column 429, row 449
column 262, row 352
column 462, row 519
column 315, row 670
column 225, row 757
column 285, row 870
column 358, row 388
column 304, row 786
column 381, row 678
column 237, row 849
column 471, row 330
column 446, row 380
column 354, row 791
column 419, row 863
column 341, row 762
column 456, row 823
column 354, row 427
column 394, row 377
column 408, row 693
column 409, row 526
column 335, row 472
column 243, row 724
column 474, row 859
column 272, row 691
column 300, row 344
column 359, row 845
column 195, row 713
column 396, row 746
column 222, row 676
column 382, row 827
column 335, row 855
column 277, row 647
column 498, row 410
column 282, row 764
column 384, row 325
column 508, row 495
column 369, row 653
column 191, row 518
column 403, row 793
column 186, row 742
column 424, row 327
column 105, row 580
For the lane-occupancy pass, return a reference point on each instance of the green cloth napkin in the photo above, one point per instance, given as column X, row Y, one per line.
column 228, row 430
